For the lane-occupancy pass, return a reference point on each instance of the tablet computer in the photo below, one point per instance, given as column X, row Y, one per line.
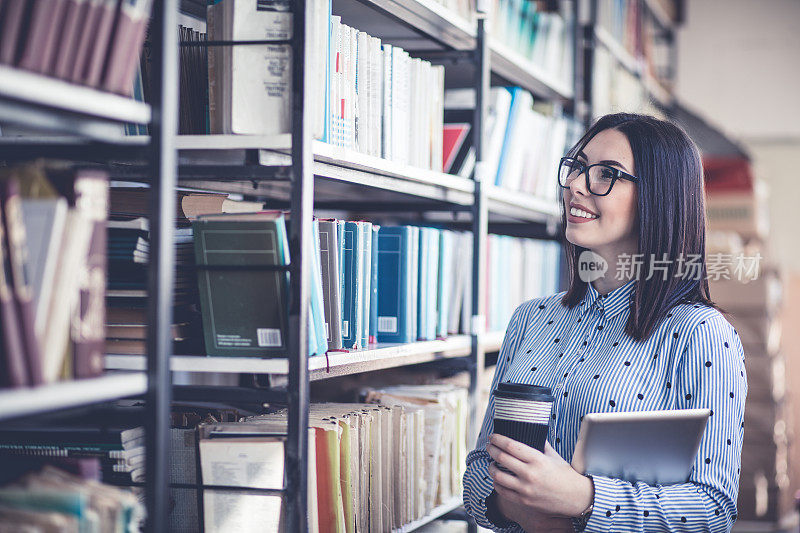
column 656, row 447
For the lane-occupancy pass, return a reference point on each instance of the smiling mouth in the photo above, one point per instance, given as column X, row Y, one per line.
column 580, row 213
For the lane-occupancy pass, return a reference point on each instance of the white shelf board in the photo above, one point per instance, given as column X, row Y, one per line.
column 521, row 71
column 377, row 357
column 521, row 205
column 620, row 53
column 436, row 512
column 492, row 341
column 38, row 90
column 65, row 394
column 431, row 19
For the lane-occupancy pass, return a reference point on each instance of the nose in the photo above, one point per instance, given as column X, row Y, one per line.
column 578, row 186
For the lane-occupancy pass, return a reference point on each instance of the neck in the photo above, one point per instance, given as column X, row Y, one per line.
column 624, row 265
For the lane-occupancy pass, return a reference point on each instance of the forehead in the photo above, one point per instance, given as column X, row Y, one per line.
column 610, row 144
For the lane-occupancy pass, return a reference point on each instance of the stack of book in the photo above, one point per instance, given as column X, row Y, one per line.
column 365, row 95
column 118, row 449
column 129, row 252
column 53, row 248
column 372, row 466
column 544, row 37
column 94, row 43
column 54, row 500
column 523, row 145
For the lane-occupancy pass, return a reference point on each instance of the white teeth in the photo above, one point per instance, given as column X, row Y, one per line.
column 581, row 213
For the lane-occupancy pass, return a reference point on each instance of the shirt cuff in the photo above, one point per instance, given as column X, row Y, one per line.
column 494, row 515
column 604, row 506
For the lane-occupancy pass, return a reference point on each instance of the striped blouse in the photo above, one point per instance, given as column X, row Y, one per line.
column 693, row 359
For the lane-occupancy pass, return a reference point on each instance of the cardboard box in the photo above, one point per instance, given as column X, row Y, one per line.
column 746, row 213
column 766, row 379
column 760, row 334
column 759, row 297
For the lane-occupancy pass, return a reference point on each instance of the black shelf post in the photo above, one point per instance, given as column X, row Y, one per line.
column 300, row 231
column 480, row 223
column 163, row 129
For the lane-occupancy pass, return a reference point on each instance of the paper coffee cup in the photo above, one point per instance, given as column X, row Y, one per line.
column 522, row 413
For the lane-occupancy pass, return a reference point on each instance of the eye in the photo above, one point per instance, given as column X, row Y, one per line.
column 607, row 173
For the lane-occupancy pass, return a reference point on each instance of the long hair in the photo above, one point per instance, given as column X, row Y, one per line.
column 672, row 222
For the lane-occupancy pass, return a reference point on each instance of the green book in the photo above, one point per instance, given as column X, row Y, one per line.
column 243, row 301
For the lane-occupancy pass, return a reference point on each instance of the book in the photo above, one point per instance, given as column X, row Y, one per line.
column 353, row 266
column 373, row 304
column 395, row 273
column 88, row 334
column 229, row 251
column 13, row 353
column 40, row 39
column 329, row 258
column 20, row 279
column 246, row 97
column 125, row 45
column 44, row 221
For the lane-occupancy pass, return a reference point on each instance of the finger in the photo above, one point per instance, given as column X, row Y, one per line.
column 519, row 450
column 508, row 481
column 506, row 459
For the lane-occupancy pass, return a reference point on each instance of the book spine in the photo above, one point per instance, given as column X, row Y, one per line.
column 88, row 325
column 12, row 30
column 373, row 306
column 95, row 61
column 15, row 368
column 67, row 49
column 43, row 33
column 23, row 294
column 366, row 284
column 386, row 122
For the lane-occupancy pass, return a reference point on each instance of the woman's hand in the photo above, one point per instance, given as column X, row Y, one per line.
column 541, row 482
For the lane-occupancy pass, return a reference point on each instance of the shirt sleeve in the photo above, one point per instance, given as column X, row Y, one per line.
column 710, row 374
column 477, row 481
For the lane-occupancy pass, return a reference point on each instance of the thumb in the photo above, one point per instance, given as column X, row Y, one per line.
column 549, row 451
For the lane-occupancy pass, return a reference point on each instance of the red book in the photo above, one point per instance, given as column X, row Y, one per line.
column 127, row 38
column 67, row 48
column 15, row 373
column 93, row 42
column 40, row 45
column 23, row 292
column 13, row 28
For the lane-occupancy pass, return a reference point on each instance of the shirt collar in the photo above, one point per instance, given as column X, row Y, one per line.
column 610, row 304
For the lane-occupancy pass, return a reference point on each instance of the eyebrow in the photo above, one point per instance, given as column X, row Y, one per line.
column 605, row 161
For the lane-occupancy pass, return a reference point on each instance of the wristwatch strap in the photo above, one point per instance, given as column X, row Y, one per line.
column 579, row 522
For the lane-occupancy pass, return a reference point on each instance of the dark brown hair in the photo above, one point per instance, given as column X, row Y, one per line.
column 671, row 208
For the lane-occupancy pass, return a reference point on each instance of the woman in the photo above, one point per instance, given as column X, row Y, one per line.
column 620, row 339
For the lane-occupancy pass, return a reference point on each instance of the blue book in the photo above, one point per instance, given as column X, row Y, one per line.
column 365, row 229
column 395, row 320
column 351, row 286
column 513, row 115
column 428, row 283
column 446, row 275
column 414, row 275
column 423, row 271
column 373, row 303
column 320, row 345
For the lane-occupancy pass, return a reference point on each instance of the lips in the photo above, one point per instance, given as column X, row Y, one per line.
column 583, row 208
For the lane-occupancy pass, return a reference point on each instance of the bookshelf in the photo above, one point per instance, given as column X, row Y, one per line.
column 82, row 125
column 654, row 27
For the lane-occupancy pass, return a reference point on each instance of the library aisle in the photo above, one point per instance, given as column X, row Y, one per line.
column 265, row 265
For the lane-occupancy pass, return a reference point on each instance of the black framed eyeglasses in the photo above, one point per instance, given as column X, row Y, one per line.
column 600, row 177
